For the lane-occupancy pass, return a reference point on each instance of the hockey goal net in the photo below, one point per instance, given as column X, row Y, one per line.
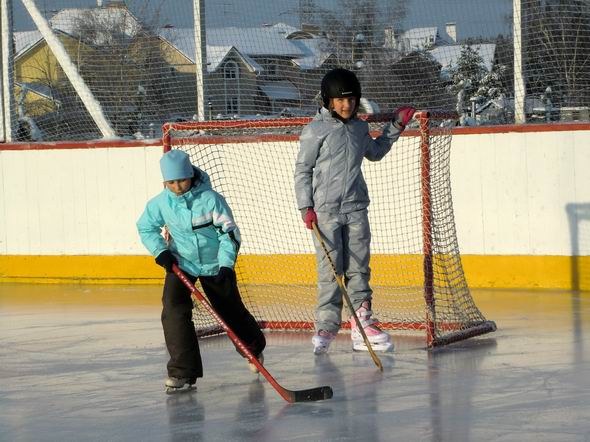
column 416, row 272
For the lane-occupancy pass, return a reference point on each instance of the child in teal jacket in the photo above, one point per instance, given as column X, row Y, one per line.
column 203, row 240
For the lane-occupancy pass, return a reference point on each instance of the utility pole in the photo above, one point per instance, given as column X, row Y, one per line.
column 519, row 83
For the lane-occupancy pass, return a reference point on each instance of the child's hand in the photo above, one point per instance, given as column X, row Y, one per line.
column 310, row 218
column 166, row 235
column 224, row 272
column 403, row 115
column 166, row 259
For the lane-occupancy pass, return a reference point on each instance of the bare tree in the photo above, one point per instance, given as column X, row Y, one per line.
column 557, row 49
column 121, row 59
column 355, row 29
column 48, row 101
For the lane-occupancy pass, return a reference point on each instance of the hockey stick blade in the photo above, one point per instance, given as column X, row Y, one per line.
column 313, row 394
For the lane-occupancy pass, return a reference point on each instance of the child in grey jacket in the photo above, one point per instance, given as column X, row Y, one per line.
column 332, row 193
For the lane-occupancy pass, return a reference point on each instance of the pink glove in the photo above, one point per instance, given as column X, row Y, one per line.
column 310, row 218
column 403, row 115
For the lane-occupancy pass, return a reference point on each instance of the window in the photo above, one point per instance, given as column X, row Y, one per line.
column 231, row 74
column 231, row 105
column 231, row 71
column 271, row 69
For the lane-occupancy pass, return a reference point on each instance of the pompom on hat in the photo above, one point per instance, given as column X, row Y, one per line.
column 176, row 165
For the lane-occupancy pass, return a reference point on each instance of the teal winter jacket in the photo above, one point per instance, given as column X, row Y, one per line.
column 204, row 236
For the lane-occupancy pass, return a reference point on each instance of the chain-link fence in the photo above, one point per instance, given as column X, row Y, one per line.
column 95, row 69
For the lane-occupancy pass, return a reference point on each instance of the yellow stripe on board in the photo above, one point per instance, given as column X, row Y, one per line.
column 542, row 272
column 551, row 272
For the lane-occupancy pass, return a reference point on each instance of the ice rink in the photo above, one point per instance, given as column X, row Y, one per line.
column 87, row 362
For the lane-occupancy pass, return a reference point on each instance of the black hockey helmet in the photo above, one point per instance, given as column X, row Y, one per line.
column 340, row 83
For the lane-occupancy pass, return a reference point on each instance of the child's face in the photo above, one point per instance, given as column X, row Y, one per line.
column 344, row 106
column 178, row 186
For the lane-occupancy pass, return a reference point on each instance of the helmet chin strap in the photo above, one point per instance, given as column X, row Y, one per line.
column 338, row 117
column 344, row 120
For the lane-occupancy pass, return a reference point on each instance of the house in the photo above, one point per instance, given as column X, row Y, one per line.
column 37, row 72
column 415, row 39
column 141, row 75
column 98, row 26
column 445, row 50
column 43, row 94
column 252, row 71
column 419, row 39
column 448, row 55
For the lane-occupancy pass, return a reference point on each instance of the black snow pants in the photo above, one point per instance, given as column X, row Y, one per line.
column 179, row 330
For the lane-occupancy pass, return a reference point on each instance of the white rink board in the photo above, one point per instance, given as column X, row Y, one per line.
column 510, row 193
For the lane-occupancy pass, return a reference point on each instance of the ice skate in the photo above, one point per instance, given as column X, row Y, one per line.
column 321, row 341
column 253, row 368
column 379, row 340
column 175, row 385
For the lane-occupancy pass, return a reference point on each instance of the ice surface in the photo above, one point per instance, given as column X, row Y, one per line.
column 88, row 363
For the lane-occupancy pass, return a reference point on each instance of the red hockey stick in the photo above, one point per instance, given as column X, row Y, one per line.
column 312, row 394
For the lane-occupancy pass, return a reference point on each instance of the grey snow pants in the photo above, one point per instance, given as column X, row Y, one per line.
column 347, row 237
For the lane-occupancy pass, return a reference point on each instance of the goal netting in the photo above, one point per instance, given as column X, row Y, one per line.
column 416, row 271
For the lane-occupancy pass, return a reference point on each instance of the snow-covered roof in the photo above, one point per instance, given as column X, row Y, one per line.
column 24, row 40
column 284, row 29
column 250, row 42
column 216, row 55
column 183, row 39
column 266, row 40
column 280, row 90
column 416, row 39
column 447, row 56
column 315, row 50
column 273, row 40
column 68, row 20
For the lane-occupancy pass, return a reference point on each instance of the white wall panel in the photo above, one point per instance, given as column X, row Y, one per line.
column 551, row 187
column 516, row 187
column 509, row 212
column 580, row 142
column 18, row 198
column 3, row 208
column 466, row 170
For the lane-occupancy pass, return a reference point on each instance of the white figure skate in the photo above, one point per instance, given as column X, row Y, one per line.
column 379, row 340
column 321, row 341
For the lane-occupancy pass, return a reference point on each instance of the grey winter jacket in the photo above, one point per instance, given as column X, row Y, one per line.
column 328, row 174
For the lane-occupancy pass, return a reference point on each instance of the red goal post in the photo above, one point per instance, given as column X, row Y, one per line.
column 417, row 275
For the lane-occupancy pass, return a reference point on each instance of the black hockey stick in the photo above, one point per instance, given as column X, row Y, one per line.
column 312, row 394
column 340, row 281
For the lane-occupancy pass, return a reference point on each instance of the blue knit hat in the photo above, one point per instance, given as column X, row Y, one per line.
column 176, row 165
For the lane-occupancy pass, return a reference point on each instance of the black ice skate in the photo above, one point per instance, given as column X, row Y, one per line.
column 176, row 385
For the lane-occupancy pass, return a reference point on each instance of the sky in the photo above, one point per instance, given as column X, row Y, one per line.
column 473, row 17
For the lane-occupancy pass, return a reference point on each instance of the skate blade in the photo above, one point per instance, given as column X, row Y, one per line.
column 320, row 351
column 386, row 347
column 177, row 390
